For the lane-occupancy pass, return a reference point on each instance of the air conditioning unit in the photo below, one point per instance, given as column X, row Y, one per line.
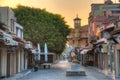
column 28, row 46
column 1, row 34
column 34, row 51
column 8, row 41
column 10, row 49
column 1, row 37
column 1, row 40
column 14, row 43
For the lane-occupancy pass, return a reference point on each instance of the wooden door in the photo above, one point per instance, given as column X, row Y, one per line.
column 0, row 63
column 16, row 61
column 118, row 62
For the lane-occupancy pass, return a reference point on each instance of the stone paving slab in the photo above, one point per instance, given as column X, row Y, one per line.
column 19, row 75
column 58, row 72
column 75, row 73
column 75, row 70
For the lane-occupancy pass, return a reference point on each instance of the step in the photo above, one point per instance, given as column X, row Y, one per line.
column 75, row 73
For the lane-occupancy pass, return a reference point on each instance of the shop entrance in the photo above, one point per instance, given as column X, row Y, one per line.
column 118, row 62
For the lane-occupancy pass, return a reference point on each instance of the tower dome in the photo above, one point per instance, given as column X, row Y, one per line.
column 77, row 18
column 108, row 2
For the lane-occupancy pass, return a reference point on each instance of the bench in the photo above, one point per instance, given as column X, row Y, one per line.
column 46, row 65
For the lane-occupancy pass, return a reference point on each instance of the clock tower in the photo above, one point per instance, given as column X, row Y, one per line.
column 77, row 22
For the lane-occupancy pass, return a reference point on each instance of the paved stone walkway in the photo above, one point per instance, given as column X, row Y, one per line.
column 58, row 72
column 19, row 75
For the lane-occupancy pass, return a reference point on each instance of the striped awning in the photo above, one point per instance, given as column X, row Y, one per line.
column 84, row 51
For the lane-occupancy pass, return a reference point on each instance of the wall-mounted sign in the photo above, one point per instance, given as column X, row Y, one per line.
column 118, row 38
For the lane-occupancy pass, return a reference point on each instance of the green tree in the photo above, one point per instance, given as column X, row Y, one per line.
column 42, row 26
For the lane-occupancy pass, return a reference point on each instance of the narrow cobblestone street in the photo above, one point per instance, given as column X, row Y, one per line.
column 58, row 72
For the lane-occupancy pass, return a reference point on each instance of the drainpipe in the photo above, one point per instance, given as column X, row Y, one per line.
column 113, row 61
column 19, row 61
column 101, row 60
column 94, row 59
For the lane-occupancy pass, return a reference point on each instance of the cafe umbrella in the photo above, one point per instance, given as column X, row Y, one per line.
column 46, row 52
column 39, row 51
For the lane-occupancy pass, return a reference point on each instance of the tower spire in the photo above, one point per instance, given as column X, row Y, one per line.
column 77, row 15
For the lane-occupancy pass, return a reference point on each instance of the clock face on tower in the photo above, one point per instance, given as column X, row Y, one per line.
column 106, row 34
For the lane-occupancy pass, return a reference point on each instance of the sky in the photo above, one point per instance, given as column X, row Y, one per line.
column 69, row 9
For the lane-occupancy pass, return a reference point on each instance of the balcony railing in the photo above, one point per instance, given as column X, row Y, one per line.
column 72, row 36
column 7, row 38
column 83, row 37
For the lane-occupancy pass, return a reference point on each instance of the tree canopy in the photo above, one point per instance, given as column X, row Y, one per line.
column 41, row 26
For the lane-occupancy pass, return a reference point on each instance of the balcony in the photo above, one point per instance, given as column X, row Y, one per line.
column 16, row 38
column 69, row 37
column 83, row 37
column 7, row 39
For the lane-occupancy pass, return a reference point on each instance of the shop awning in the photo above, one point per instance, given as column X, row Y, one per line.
column 87, row 47
column 84, row 51
column 18, row 39
column 102, row 40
